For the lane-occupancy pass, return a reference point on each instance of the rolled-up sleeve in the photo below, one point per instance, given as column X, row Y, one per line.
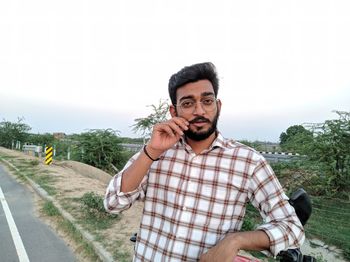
column 116, row 201
column 281, row 223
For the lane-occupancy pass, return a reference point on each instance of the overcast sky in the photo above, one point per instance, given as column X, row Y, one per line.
column 73, row 65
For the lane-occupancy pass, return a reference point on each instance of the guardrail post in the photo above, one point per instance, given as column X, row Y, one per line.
column 68, row 154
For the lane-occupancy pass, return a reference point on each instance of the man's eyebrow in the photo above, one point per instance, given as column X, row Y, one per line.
column 186, row 97
column 208, row 94
column 192, row 97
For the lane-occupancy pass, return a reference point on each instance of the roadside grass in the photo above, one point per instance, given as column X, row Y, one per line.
column 121, row 255
column 89, row 212
column 7, row 157
column 45, row 181
column 330, row 222
column 50, row 210
column 93, row 213
column 29, row 169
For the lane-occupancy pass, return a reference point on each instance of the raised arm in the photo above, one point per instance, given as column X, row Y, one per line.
column 130, row 183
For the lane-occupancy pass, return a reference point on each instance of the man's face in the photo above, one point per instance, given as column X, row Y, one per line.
column 196, row 103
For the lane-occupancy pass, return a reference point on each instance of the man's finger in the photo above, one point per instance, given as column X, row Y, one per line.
column 175, row 127
column 165, row 128
column 183, row 123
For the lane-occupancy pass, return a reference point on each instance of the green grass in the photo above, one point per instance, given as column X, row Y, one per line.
column 45, row 182
column 89, row 212
column 49, row 209
column 119, row 254
column 94, row 214
column 330, row 222
column 251, row 219
column 122, row 256
column 7, row 157
column 78, row 238
column 34, row 162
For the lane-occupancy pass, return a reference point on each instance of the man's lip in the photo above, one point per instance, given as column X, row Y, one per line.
column 199, row 123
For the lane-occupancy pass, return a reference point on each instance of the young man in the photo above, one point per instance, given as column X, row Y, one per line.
column 196, row 184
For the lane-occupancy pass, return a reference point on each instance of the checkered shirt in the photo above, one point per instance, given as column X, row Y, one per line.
column 193, row 201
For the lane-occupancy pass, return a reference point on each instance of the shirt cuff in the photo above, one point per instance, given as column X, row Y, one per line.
column 279, row 240
column 126, row 198
column 116, row 201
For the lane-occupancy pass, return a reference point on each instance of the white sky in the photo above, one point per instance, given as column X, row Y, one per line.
column 72, row 65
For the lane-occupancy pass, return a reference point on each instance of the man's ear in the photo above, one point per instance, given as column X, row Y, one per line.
column 172, row 111
column 219, row 105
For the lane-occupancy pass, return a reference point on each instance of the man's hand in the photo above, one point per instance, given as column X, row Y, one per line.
column 225, row 251
column 165, row 135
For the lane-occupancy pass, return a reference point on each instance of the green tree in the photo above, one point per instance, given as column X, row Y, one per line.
column 295, row 139
column 325, row 167
column 145, row 125
column 100, row 148
column 331, row 147
column 41, row 139
column 10, row 132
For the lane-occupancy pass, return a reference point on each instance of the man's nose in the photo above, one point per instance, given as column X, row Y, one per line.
column 198, row 110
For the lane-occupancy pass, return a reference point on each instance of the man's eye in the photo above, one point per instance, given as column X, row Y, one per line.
column 187, row 104
column 208, row 101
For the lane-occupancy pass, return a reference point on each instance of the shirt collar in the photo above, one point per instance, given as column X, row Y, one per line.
column 218, row 142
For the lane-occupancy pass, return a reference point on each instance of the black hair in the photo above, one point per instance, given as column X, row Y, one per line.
column 193, row 73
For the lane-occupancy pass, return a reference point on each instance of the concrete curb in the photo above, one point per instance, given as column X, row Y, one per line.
column 102, row 253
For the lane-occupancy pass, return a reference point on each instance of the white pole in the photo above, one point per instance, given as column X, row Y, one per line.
column 68, row 154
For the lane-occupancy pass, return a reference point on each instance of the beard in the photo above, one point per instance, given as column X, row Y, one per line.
column 202, row 135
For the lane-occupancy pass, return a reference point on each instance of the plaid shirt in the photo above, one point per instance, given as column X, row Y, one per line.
column 193, row 201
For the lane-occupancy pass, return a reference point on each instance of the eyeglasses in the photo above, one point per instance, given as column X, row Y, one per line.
column 188, row 106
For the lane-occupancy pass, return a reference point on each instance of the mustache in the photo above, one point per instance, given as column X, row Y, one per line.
column 199, row 119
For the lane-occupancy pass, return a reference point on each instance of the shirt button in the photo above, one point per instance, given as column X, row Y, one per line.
column 184, row 208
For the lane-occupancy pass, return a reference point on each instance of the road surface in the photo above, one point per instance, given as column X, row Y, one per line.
column 23, row 237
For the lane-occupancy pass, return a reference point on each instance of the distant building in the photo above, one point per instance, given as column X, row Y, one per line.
column 59, row 135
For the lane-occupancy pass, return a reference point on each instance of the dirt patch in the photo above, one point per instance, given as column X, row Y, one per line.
column 86, row 170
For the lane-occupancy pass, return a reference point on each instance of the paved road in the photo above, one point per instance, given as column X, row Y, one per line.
column 23, row 237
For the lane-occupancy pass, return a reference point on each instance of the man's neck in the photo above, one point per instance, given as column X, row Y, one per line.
column 199, row 146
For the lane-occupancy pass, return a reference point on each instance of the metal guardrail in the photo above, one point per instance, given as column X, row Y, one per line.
column 280, row 156
column 132, row 147
column 32, row 148
column 269, row 156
